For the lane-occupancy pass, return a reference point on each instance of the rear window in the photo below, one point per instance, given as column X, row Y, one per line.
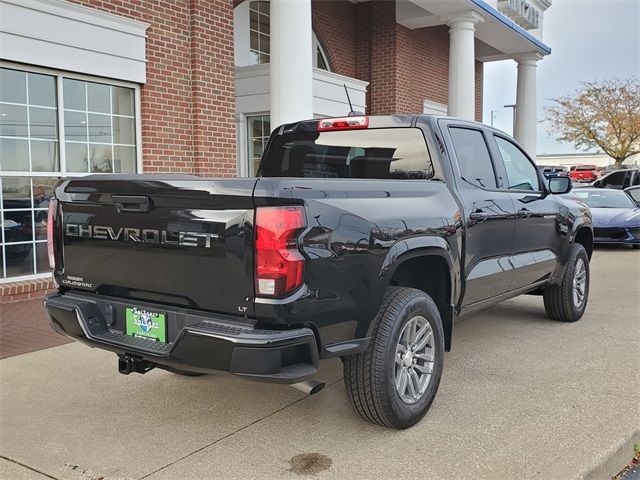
column 394, row 153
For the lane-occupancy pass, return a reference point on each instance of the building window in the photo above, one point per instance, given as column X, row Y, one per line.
column 259, row 32
column 99, row 126
column 321, row 60
column 53, row 126
column 258, row 131
column 260, row 37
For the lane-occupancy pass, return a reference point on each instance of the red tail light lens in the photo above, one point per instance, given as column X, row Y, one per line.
column 279, row 264
column 344, row 123
column 51, row 219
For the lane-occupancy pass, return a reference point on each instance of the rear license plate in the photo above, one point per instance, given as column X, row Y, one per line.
column 146, row 324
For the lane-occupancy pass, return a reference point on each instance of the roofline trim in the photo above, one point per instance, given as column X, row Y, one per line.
column 485, row 7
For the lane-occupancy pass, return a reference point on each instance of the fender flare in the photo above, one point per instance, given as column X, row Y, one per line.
column 423, row 246
column 583, row 222
column 415, row 247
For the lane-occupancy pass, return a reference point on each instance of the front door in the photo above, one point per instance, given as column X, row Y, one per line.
column 537, row 230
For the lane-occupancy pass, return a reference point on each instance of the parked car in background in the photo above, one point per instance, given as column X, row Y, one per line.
column 616, row 216
column 584, row 173
column 634, row 193
column 619, row 179
column 550, row 171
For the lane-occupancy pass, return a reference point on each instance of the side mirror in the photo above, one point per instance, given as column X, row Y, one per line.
column 560, row 185
column 597, row 183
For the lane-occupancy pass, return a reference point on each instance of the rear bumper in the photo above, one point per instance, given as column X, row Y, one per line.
column 200, row 342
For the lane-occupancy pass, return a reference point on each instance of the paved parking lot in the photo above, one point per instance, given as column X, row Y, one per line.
column 521, row 397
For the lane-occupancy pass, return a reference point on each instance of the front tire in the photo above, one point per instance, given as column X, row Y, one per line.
column 394, row 382
column 567, row 301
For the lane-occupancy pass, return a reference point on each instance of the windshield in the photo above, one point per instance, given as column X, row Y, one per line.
column 603, row 198
column 635, row 194
column 395, row 153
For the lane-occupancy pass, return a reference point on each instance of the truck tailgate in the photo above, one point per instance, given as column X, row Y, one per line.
column 172, row 239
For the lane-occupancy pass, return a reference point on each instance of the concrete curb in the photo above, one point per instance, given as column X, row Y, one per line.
column 612, row 461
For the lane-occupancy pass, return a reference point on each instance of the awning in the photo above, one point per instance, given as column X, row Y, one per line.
column 497, row 37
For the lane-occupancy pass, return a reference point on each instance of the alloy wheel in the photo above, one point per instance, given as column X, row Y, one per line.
column 414, row 359
column 579, row 283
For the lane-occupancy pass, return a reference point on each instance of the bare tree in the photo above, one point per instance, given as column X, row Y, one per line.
column 603, row 114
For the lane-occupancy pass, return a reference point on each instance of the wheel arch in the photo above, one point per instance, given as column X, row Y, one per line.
column 410, row 270
column 584, row 236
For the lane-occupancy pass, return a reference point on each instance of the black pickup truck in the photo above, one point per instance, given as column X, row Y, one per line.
column 362, row 238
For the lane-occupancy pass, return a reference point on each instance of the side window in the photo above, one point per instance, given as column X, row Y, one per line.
column 613, row 180
column 473, row 157
column 637, row 182
column 521, row 173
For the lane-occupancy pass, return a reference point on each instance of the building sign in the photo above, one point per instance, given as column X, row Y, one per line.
column 522, row 12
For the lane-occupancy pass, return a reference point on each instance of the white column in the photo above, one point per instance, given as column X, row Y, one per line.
column 525, row 128
column 291, row 64
column 462, row 64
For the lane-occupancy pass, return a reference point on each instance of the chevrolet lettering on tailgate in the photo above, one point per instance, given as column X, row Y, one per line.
column 145, row 235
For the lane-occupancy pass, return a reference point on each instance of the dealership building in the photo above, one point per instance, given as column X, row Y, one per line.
column 196, row 86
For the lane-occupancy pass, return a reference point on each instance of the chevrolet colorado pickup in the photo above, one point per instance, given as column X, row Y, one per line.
column 362, row 238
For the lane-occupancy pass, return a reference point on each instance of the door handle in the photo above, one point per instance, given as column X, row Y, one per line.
column 132, row 203
column 524, row 213
column 479, row 216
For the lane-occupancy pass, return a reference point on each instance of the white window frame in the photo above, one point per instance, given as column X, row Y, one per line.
column 318, row 48
column 59, row 75
column 243, row 136
column 62, row 172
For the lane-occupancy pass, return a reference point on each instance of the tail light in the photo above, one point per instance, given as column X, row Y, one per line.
column 51, row 219
column 344, row 123
column 279, row 264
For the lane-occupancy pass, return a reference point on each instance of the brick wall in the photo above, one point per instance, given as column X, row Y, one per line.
column 404, row 66
column 479, row 90
column 29, row 289
column 334, row 24
column 188, row 101
column 423, row 67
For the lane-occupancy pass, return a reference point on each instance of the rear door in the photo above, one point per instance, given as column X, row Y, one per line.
column 169, row 239
column 537, row 232
column 488, row 216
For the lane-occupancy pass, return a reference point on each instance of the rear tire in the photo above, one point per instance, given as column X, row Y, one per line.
column 394, row 381
column 567, row 301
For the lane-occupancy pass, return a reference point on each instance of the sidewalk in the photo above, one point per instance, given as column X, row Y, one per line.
column 24, row 328
column 522, row 397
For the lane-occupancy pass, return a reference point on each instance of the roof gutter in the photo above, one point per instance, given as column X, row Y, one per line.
column 488, row 9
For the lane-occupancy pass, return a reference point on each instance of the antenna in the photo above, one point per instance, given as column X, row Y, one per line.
column 352, row 112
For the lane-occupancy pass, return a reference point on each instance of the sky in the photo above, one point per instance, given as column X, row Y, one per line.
column 590, row 40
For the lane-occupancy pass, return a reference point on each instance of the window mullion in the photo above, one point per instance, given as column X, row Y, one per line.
column 113, row 137
column 61, row 135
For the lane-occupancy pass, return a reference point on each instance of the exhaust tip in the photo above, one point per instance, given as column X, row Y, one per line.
column 309, row 387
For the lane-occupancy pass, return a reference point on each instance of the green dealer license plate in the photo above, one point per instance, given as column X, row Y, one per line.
column 146, row 324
